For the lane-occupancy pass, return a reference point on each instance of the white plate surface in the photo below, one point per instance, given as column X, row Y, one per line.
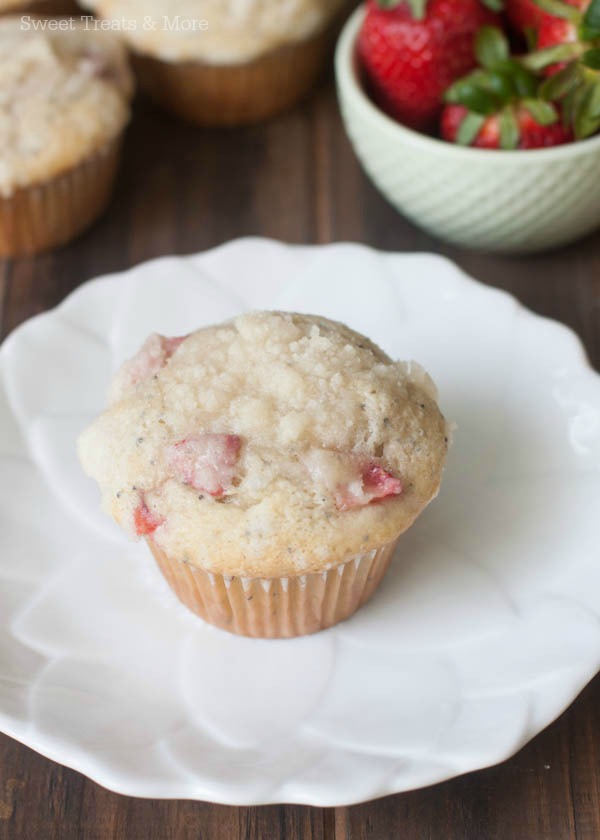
column 484, row 631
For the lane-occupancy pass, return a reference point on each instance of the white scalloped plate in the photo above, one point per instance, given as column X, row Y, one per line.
column 484, row 631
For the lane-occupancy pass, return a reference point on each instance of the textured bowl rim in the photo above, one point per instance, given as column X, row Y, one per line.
column 350, row 87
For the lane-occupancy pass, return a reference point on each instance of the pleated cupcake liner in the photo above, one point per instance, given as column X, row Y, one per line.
column 47, row 215
column 228, row 95
column 278, row 607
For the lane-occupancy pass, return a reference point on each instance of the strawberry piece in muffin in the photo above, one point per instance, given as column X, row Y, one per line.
column 374, row 483
column 353, row 481
column 145, row 521
column 152, row 356
column 206, row 462
column 380, row 483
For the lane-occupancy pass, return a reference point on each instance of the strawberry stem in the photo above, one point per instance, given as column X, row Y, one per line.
column 552, row 55
column 591, row 19
column 558, row 9
column 469, row 128
column 544, row 113
column 591, row 58
column 509, row 129
column 491, row 47
column 417, row 7
column 558, row 85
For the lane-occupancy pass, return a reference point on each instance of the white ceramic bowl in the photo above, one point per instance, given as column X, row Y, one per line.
column 494, row 200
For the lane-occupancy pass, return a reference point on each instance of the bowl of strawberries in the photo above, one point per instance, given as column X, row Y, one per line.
column 480, row 122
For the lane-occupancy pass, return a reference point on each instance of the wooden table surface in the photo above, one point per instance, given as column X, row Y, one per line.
column 183, row 190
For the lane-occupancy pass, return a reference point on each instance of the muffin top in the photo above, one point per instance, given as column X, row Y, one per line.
column 215, row 31
column 274, row 444
column 63, row 96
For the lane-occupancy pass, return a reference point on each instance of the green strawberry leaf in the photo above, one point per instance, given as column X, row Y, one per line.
column 567, row 107
column 531, row 37
column 551, row 55
column 558, row 9
column 591, row 58
column 589, row 36
column 558, row 85
column 572, row 104
column 587, row 128
column 468, row 92
column 509, row 130
column 591, row 19
column 584, row 124
column 542, row 112
column 418, row 8
column 495, row 82
column 469, row 128
column 491, row 47
column 524, row 82
column 500, row 84
column 494, row 5
column 594, row 104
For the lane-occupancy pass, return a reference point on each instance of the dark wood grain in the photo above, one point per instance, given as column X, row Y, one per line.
column 182, row 190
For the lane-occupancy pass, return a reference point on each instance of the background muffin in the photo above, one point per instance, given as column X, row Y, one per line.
column 221, row 62
column 64, row 103
column 271, row 462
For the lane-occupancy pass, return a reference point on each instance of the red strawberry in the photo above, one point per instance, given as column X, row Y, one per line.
column 531, row 134
column 531, row 15
column 569, row 56
column 555, row 30
column 145, row 522
column 412, row 50
column 552, row 32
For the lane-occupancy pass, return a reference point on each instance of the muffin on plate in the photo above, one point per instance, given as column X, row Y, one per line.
column 64, row 104
column 271, row 463
column 222, row 62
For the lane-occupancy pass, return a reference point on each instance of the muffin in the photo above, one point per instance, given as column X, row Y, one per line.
column 270, row 463
column 64, row 104
column 222, row 62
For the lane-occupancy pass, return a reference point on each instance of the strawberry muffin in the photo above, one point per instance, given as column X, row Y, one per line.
column 64, row 104
column 222, row 62
column 270, row 463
